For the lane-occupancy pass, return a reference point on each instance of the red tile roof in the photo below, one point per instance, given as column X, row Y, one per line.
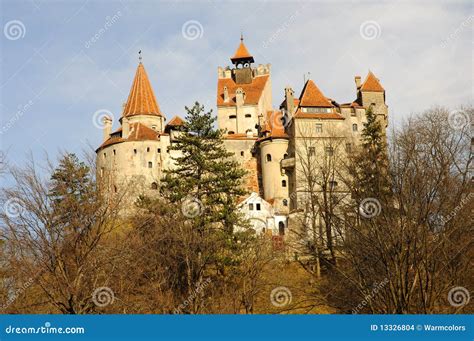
column 372, row 83
column 253, row 91
column 176, row 121
column 241, row 52
column 138, row 132
column 141, row 100
column 311, row 96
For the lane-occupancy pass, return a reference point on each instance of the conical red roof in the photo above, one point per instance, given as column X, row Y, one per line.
column 311, row 96
column 372, row 83
column 141, row 100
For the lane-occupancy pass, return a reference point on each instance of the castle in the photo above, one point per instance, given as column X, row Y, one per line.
column 278, row 148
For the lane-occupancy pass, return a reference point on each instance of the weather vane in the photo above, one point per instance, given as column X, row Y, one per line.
column 140, row 56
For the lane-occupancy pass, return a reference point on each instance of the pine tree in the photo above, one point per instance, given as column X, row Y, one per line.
column 72, row 192
column 371, row 164
column 205, row 174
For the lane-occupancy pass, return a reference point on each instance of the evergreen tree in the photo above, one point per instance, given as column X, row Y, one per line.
column 72, row 192
column 205, row 175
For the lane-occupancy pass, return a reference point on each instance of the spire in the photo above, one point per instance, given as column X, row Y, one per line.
column 311, row 96
column 141, row 100
column 372, row 83
column 242, row 55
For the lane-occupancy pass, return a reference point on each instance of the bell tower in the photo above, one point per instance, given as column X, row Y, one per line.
column 242, row 60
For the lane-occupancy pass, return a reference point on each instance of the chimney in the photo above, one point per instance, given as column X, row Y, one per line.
column 357, row 81
column 239, row 97
column 107, row 128
column 290, row 100
column 226, row 94
column 125, row 127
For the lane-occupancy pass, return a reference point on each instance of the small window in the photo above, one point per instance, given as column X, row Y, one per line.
column 329, row 151
column 283, row 183
column 250, row 207
column 115, row 152
column 269, row 158
column 242, row 153
column 312, row 151
column 231, row 132
column 354, row 127
column 153, row 127
column 147, row 149
column 332, row 184
column 154, row 185
column 348, row 147
column 285, row 202
column 150, row 164
column 248, row 115
column 319, row 128
column 135, row 151
column 232, row 116
column 115, row 189
column 105, row 155
column 281, row 228
column 258, row 207
column 159, row 150
column 285, row 156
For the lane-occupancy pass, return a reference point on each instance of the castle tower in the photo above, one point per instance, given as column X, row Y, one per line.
column 133, row 157
column 371, row 94
column 244, row 96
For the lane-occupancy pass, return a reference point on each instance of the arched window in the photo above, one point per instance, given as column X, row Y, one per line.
column 354, row 127
column 283, row 183
column 281, row 228
column 154, row 185
column 147, row 149
column 269, row 158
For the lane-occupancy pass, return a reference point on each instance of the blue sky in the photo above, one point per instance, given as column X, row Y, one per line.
column 54, row 77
